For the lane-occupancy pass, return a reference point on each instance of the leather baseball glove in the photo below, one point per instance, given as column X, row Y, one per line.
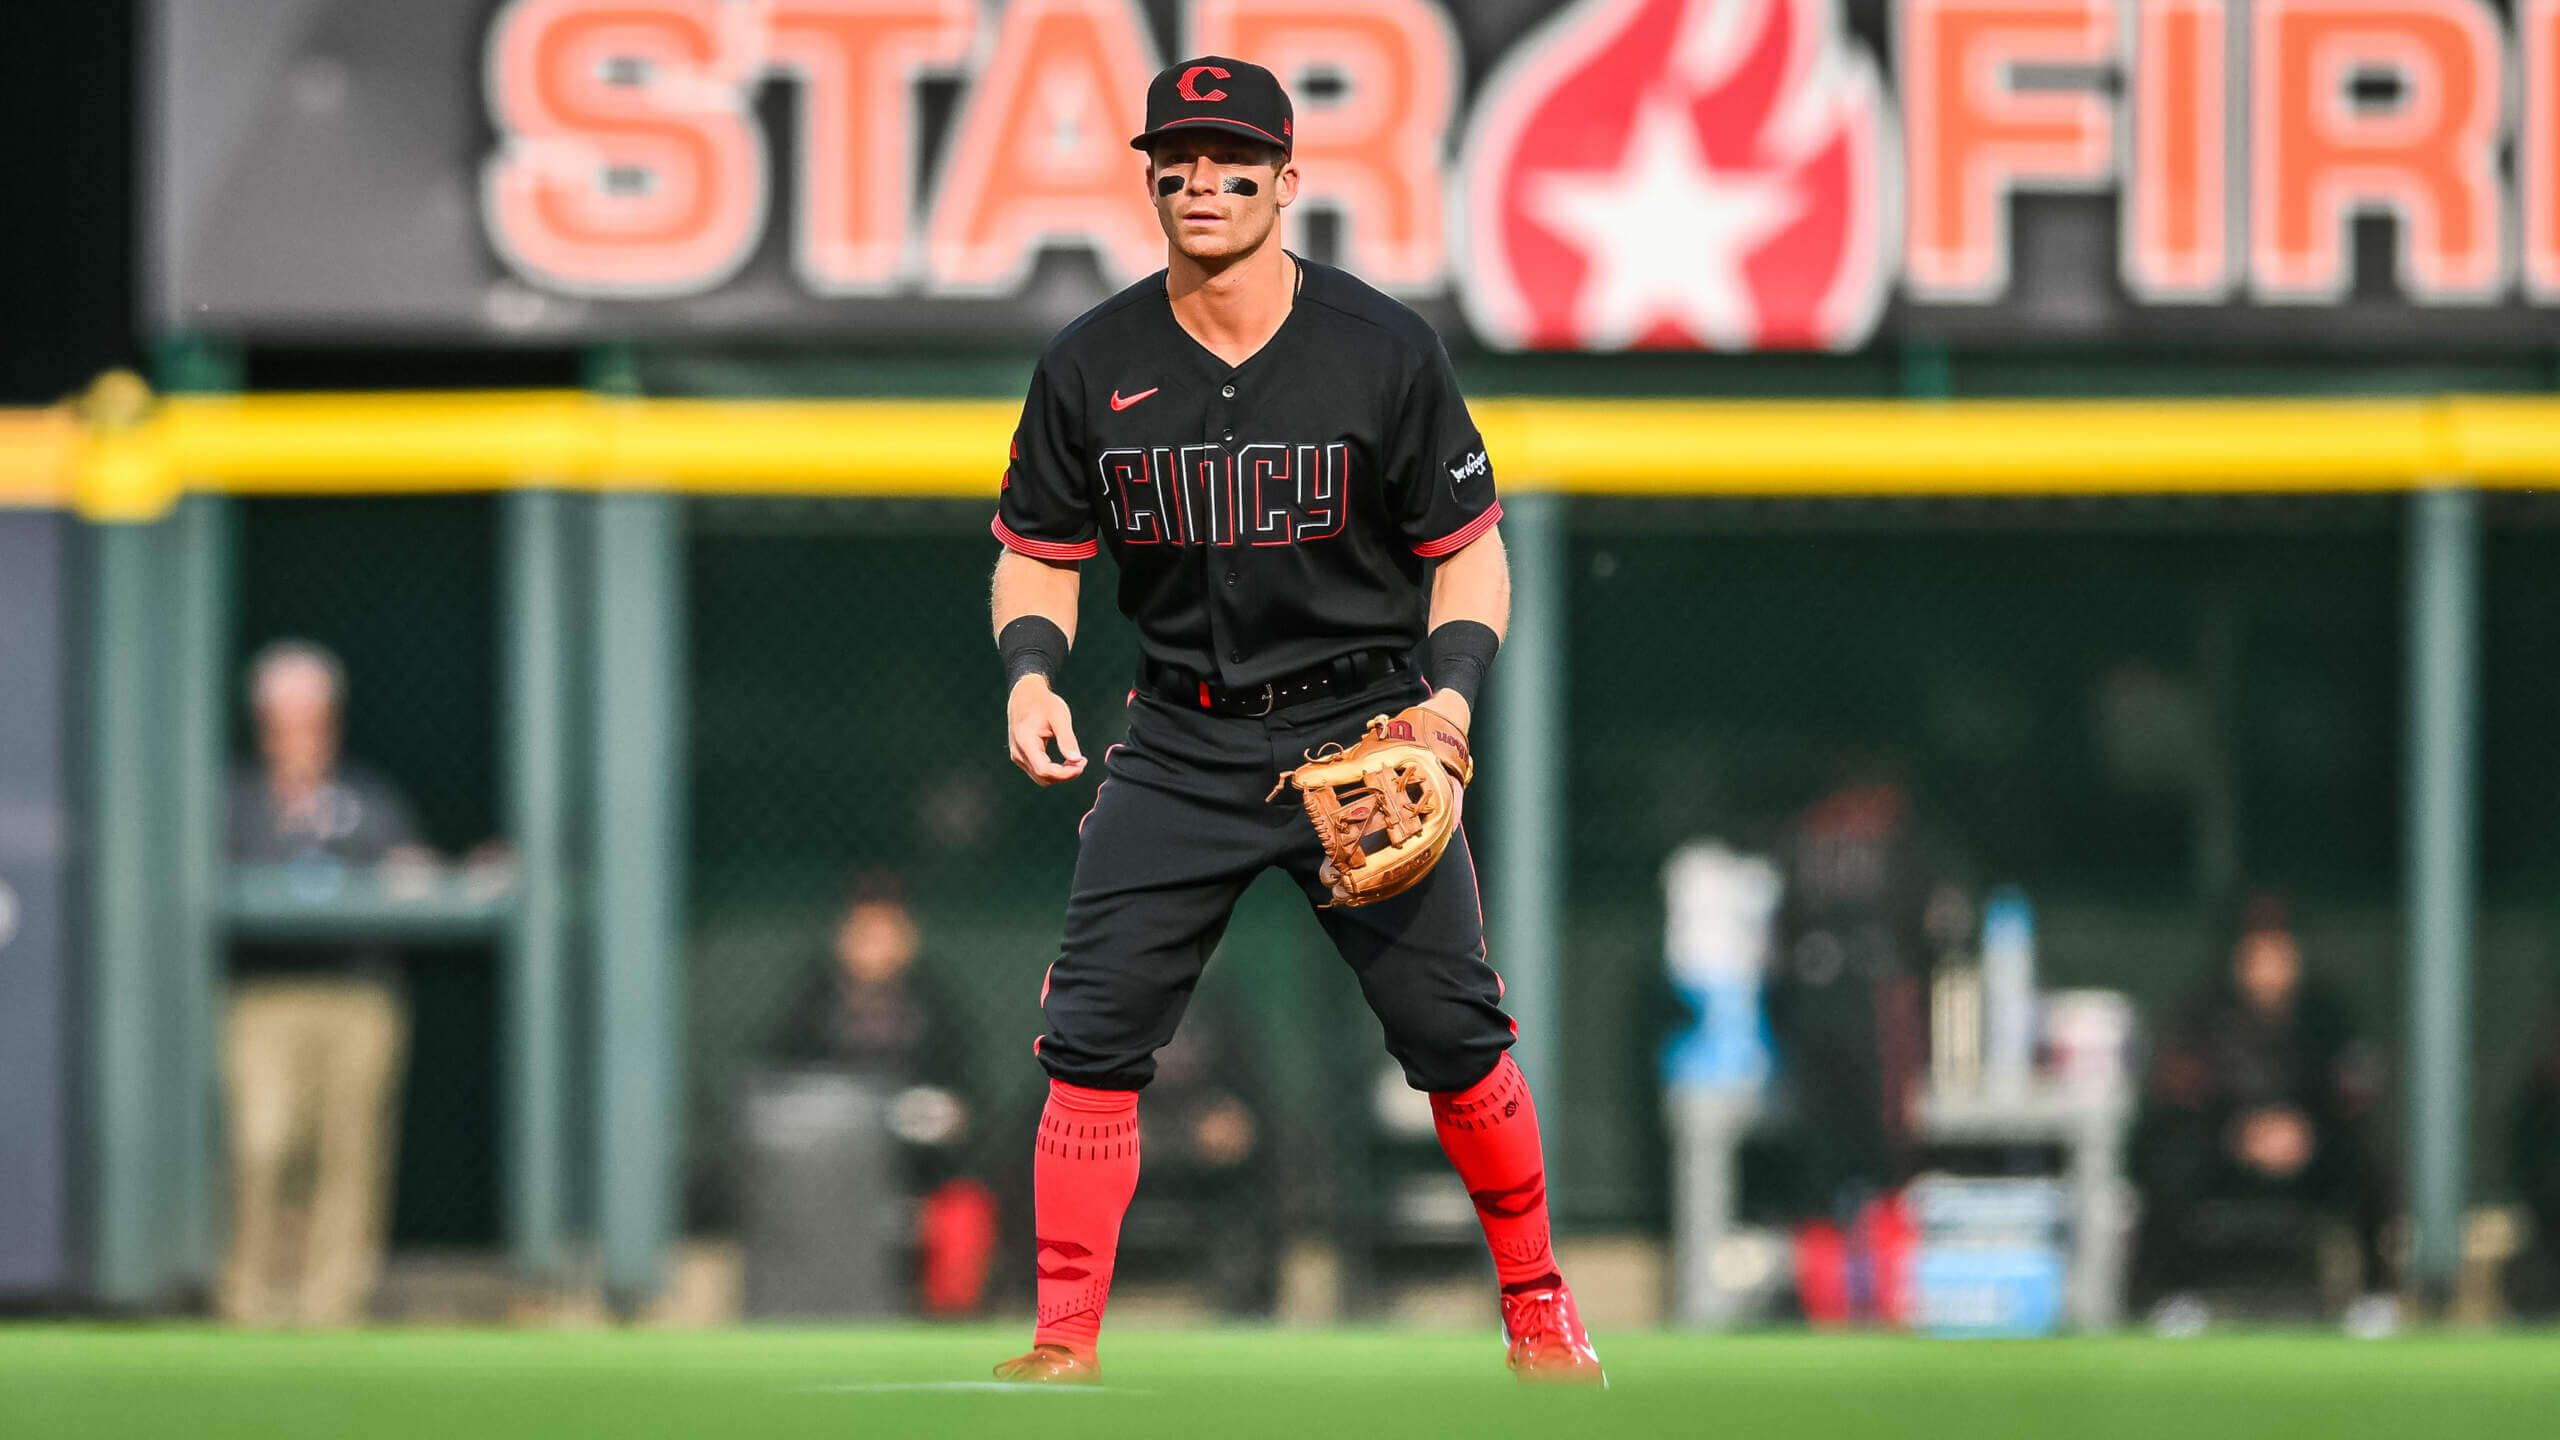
column 1387, row 806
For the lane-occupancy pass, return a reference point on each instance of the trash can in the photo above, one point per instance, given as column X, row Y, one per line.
column 825, row 1210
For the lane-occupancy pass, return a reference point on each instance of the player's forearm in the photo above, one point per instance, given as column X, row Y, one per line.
column 1025, row 586
column 1471, row 591
column 1035, row 618
column 1474, row 584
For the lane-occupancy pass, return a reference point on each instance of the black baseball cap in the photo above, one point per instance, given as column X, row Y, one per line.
column 1213, row 92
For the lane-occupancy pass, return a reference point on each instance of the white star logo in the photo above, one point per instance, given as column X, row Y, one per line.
column 1665, row 234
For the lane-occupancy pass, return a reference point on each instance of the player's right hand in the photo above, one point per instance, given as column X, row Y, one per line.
column 1035, row 715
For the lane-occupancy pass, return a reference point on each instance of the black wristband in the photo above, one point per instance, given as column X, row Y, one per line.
column 1031, row 645
column 1460, row 654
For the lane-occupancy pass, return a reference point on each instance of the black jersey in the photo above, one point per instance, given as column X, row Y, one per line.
column 1265, row 516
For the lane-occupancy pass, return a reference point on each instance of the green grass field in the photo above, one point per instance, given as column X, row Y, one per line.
column 97, row 1383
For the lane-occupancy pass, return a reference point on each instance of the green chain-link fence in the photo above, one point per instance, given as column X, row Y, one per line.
column 2123, row 706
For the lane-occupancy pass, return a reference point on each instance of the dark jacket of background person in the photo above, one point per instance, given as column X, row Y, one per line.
column 2262, row 1093
column 356, row 820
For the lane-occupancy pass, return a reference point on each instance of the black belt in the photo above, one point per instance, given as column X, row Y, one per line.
column 1340, row 675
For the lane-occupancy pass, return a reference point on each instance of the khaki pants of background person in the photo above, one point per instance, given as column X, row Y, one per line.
column 312, row 1066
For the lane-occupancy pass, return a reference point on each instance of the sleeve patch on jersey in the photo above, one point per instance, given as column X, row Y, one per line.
column 1462, row 537
column 1465, row 466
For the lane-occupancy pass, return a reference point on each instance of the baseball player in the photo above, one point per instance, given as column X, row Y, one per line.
column 1302, row 515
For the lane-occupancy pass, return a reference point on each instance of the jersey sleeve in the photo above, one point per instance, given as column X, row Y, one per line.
column 1042, row 508
column 1444, row 497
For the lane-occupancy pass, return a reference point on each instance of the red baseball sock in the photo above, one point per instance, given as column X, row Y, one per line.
column 1490, row 1132
column 1082, row 1176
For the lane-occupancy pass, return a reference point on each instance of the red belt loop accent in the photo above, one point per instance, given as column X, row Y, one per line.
column 1204, row 694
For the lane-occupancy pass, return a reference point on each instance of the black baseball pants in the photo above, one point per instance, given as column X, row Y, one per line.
column 1180, row 826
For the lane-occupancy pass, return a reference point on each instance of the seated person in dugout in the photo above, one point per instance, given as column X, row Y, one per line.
column 2258, row 1118
column 868, row 1012
column 1213, row 1214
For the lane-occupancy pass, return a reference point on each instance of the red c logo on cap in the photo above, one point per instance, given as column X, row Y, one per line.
column 1184, row 86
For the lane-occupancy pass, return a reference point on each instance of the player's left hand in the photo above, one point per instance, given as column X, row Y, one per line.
column 1453, row 705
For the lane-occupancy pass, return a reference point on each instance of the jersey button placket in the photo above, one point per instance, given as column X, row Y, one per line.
column 1233, row 622
column 1222, row 616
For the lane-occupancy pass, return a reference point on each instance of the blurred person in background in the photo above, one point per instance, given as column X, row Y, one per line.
column 316, row 1035
column 868, row 1012
column 2258, row 1118
column 2535, row 1160
column 1845, row 1010
column 1210, row 1177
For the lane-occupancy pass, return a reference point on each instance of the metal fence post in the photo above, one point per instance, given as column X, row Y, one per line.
column 128, row 1064
column 2443, row 659
column 537, row 749
column 1528, row 904
column 200, row 637
column 197, row 617
column 638, row 867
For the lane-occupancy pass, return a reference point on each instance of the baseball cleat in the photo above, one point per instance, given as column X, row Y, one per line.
column 1548, row 1343
column 1051, row 1365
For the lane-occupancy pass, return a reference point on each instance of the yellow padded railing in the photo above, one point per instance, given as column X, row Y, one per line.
column 36, row 450
column 134, row 467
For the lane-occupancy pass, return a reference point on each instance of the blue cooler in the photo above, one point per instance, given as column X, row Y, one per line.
column 1992, row 1261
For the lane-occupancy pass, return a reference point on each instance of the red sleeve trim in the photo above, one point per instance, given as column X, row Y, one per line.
column 1044, row 549
column 1460, row 538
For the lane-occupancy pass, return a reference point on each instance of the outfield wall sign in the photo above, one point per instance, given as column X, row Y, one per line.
column 1599, row 175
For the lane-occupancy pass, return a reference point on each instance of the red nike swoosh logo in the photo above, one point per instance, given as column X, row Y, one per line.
column 1123, row 402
